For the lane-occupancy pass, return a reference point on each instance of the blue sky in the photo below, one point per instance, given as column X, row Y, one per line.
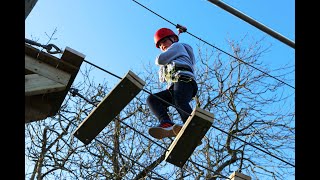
column 118, row 35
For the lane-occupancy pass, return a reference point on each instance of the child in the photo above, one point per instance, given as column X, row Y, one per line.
column 176, row 68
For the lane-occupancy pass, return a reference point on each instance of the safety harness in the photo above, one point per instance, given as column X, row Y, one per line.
column 170, row 73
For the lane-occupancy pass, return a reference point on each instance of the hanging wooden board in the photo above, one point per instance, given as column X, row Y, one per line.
column 189, row 137
column 109, row 107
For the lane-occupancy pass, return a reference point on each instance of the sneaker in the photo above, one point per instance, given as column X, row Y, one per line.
column 165, row 129
column 176, row 128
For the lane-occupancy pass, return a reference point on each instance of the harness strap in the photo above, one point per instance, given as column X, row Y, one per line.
column 183, row 69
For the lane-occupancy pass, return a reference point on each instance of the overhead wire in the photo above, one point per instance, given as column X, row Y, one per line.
column 177, row 25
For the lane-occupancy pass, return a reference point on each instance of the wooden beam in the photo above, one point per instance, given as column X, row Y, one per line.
column 36, row 84
column 70, row 61
column 189, row 137
column 109, row 107
column 46, row 70
column 36, row 108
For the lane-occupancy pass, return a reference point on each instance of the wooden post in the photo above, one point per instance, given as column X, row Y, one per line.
column 109, row 108
column 238, row 176
column 189, row 137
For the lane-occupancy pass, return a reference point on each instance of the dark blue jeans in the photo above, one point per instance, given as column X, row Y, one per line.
column 179, row 94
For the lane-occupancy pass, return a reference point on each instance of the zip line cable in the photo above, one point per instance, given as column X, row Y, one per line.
column 72, row 91
column 253, row 146
column 177, row 25
column 103, row 69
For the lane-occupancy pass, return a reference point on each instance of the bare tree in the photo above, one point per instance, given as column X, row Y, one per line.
column 253, row 124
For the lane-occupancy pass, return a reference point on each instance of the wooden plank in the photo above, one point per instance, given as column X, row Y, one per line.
column 135, row 79
column 46, row 70
column 71, row 58
column 239, row 176
column 109, row 107
column 62, row 64
column 189, row 137
column 36, row 84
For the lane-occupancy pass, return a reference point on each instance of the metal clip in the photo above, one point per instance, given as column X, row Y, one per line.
column 181, row 29
column 50, row 46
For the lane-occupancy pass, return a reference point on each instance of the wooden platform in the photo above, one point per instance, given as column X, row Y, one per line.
column 109, row 107
column 48, row 80
column 189, row 137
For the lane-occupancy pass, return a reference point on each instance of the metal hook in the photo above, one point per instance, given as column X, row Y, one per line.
column 50, row 46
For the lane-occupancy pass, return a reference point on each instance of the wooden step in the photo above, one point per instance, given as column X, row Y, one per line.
column 189, row 137
column 109, row 107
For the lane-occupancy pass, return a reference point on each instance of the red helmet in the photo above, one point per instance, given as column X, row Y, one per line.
column 162, row 33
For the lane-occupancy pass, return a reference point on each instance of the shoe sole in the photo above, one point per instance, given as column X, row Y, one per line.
column 176, row 129
column 160, row 133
